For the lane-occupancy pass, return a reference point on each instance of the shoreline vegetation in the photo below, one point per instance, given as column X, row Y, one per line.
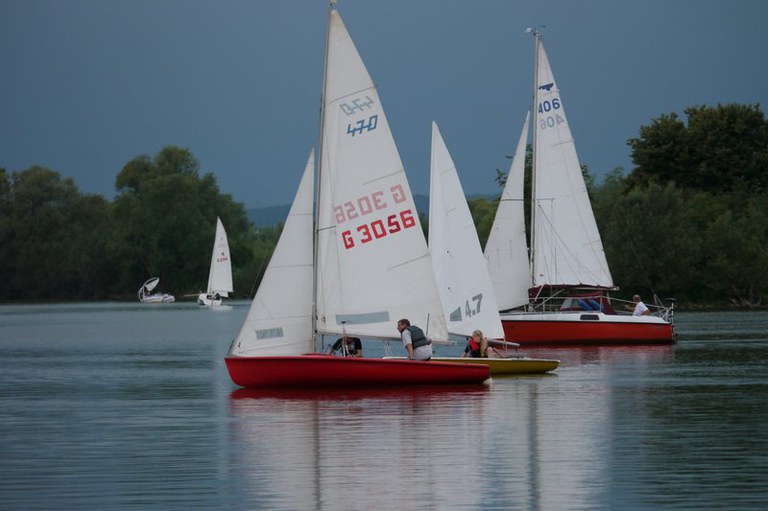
column 690, row 221
column 686, row 307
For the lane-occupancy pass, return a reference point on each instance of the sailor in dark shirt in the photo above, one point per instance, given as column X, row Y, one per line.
column 349, row 347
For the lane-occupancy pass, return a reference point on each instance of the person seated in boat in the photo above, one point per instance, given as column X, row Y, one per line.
column 349, row 347
column 477, row 347
column 589, row 304
column 414, row 341
column 639, row 308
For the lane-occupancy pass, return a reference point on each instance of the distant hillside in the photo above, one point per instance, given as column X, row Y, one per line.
column 268, row 216
column 272, row 215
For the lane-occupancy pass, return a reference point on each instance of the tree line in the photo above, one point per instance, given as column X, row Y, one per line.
column 690, row 221
column 60, row 244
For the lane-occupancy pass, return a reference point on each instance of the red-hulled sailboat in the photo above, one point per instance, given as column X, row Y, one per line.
column 371, row 266
column 559, row 292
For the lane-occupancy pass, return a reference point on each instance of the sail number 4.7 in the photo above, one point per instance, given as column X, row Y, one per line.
column 548, row 116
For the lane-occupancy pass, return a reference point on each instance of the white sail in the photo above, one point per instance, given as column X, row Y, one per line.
column 151, row 284
column 373, row 266
column 567, row 250
column 507, row 248
column 279, row 321
column 220, row 274
column 465, row 287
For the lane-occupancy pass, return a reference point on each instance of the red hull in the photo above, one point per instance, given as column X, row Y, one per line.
column 326, row 370
column 540, row 333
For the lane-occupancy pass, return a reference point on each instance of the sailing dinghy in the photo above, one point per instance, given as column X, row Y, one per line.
column 466, row 291
column 557, row 294
column 371, row 266
column 220, row 273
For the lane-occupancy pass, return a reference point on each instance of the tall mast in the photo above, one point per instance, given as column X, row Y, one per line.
column 531, row 256
column 318, row 169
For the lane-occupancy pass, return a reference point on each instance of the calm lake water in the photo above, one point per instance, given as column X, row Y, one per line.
column 129, row 406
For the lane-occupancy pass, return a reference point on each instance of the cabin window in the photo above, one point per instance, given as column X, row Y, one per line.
column 589, row 317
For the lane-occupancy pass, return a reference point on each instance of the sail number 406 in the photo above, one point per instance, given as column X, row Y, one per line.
column 552, row 120
column 378, row 229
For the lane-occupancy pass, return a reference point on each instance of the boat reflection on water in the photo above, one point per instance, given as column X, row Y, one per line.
column 446, row 393
column 358, row 448
column 636, row 354
column 527, row 442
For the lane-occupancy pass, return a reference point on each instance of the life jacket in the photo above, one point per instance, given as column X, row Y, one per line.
column 418, row 339
column 474, row 348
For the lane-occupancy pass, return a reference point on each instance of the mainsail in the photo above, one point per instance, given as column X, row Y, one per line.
column 567, row 250
column 373, row 266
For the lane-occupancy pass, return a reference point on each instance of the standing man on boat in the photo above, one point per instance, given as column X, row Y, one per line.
column 414, row 341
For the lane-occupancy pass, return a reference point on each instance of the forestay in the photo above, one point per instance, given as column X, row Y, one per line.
column 372, row 261
column 465, row 287
column 566, row 243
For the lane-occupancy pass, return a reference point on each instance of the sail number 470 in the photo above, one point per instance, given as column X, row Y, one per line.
column 553, row 119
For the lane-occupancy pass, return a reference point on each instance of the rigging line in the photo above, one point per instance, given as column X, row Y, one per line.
column 638, row 259
column 556, row 241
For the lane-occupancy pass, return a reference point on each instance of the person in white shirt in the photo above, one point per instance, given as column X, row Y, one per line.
column 640, row 308
column 414, row 341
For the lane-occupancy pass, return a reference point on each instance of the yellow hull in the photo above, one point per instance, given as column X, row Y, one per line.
column 501, row 366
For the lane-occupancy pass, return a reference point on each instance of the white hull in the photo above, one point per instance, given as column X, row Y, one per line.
column 158, row 298
column 145, row 290
column 577, row 316
column 208, row 301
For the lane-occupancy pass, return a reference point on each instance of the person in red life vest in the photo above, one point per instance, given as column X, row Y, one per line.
column 477, row 347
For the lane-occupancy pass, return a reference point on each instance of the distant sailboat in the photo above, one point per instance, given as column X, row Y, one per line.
column 568, row 278
column 371, row 265
column 145, row 294
column 220, row 273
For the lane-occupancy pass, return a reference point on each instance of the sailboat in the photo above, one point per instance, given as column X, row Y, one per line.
column 220, row 274
column 559, row 292
column 369, row 265
column 146, row 295
column 464, row 282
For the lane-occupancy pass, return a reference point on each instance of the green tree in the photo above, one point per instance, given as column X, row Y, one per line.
column 55, row 247
column 720, row 149
column 165, row 220
column 483, row 212
column 737, row 255
column 6, row 230
column 263, row 245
